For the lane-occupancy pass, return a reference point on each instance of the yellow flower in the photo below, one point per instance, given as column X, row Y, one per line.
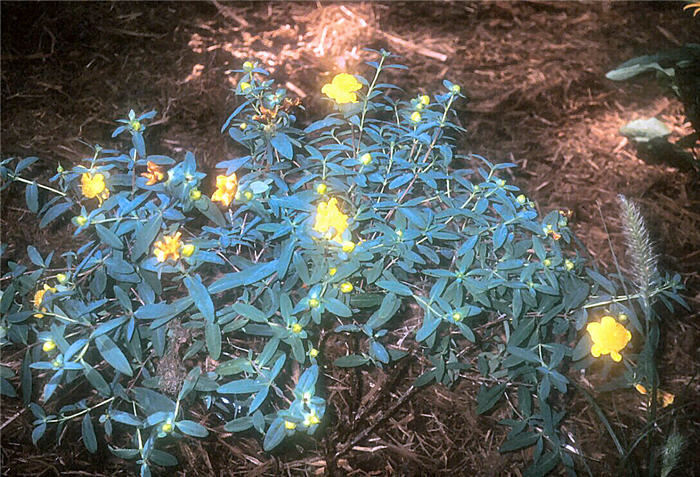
column 346, row 287
column 415, row 117
column 664, row 398
column 169, row 246
column 342, row 88
column 289, row 425
column 330, row 221
column 311, row 419
column 695, row 6
column 154, row 174
column 195, row 194
column 39, row 298
column 225, row 189
column 94, row 186
column 609, row 337
column 49, row 345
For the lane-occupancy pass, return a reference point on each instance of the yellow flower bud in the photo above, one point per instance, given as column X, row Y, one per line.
column 321, row 188
column 195, row 194
column 500, row 182
column 346, row 287
column 476, row 188
column 348, row 246
column 415, row 117
column 366, row 158
column 425, row 100
column 399, row 232
column 61, row 277
column 243, row 126
column 457, row 316
column 135, row 125
column 248, row 195
column 296, row 328
column 248, row 65
column 49, row 345
column 60, row 169
column 546, row 262
column 289, row 425
column 640, row 389
column 167, row 428
column 456, row 88
column 313, row 352
column 313, row 303
column 622, row 317
column 568, row 264
column 521, row 199
column 187, row 250
column 244, row 85
column 81, row 220
column 332, row 271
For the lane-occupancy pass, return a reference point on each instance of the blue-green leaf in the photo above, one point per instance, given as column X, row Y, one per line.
column 192, row 428
column 108, row 237
column 394, row 286
column 274, row 435
column 143, row 238
column 32, row 195
column 200, row 296
column 89, row 438
column 54, row 212
column 113, row 355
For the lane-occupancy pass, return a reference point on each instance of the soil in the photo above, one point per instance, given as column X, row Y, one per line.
column 534, row 74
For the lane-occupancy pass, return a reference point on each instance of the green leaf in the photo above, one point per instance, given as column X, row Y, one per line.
column 89, row 438
column 241, row 424
column 160, row 457
column 522, row 332
column 200, row 296
column 524, row 439
column 337, row 307
column 351, row 361
column 524, row 354
column 543, row 465
column 143, row 238
column 394, row 286
column 108, row 237
column 32, row 195
column 488, row 397
column 274, row 435
column 250, row 312
column 250, row 275
column 209, row 209
column 499, row 236
column 192, row 428
column 53, row 213
column 113, row 355
column 96, row 380
column 430, row 324
column 283, row 145
column 242, row 386
column 212, row 335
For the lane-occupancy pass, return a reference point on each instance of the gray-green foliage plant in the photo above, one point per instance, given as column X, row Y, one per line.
column 330, row 230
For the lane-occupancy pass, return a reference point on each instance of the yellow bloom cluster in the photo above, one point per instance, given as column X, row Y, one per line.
column 39, row 298
column 664, row 398
column 169, row 246
column 226, row 187
column 154, row 174
column 94, row 186
column 342, row 88
column 330, row 221
column 609, row 337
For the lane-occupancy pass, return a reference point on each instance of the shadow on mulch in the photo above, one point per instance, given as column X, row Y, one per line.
column 534, row 75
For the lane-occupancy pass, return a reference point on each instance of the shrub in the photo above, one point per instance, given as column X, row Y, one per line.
column 333, row 230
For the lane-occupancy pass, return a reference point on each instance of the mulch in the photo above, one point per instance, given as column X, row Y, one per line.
column 534, row 76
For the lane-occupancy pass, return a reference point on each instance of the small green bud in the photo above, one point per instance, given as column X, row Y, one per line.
column 521, row 199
